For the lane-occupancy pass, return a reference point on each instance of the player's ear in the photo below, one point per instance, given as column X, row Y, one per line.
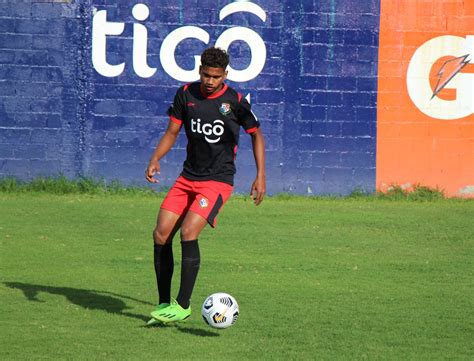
column 200, row 68
column 225, row 75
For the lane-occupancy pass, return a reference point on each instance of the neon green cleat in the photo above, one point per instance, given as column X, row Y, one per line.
column 154, row 321
column 173, row 313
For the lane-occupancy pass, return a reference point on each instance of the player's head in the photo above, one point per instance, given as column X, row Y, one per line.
column 212, row 71
column 215, row 58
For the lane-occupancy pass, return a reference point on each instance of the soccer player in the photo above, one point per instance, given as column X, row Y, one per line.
column 211, row 113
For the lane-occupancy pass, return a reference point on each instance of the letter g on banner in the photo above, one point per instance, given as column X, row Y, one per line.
column 254, row 41
column 168, row 49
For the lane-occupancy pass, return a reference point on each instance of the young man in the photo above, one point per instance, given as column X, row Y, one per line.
column 211, row 113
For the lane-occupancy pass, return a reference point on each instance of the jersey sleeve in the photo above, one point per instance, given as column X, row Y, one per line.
column 176, row 110
column 247, row 118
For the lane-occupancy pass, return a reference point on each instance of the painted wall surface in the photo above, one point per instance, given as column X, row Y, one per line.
column 80, row 99
column 84, row 88
column 310, row 130
column 426, row 95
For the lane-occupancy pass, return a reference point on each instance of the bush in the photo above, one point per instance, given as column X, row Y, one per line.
column 416, row 193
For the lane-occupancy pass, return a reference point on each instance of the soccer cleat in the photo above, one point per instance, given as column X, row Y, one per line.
column 173, row 313
column 154, row 321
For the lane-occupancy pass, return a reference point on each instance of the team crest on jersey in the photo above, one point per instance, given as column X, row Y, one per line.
column 225, row 108
column 203, row 202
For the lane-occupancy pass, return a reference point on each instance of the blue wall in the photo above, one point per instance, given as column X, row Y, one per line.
column 315, row 97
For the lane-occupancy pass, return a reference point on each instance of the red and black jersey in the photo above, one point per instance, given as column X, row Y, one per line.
column 212, row 124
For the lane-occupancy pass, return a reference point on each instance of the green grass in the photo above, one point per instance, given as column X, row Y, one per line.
column 60, row 184
column 63, row 185
column 358, row 278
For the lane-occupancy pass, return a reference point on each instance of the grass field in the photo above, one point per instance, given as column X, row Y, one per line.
column 316, row 279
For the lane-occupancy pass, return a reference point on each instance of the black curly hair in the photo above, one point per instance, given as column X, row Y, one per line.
column 215, row 58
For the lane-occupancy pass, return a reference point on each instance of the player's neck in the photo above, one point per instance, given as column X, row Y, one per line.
column 214, row 93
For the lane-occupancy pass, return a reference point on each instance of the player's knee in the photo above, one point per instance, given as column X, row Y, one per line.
column 185, row 232
column 188, row 233
column 159, row 236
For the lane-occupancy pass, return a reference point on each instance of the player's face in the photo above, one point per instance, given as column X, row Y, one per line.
column 211, row 79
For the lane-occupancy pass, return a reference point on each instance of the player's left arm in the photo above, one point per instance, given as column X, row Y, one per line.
column 257, row 192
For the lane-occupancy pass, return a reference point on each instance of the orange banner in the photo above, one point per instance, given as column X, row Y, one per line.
column 425, row 116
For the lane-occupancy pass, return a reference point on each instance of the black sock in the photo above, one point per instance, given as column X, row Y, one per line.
column 164, row 266
column 191, row 259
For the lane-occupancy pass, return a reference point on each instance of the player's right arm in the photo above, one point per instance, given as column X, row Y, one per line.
column 165, row 144
column 176, row 114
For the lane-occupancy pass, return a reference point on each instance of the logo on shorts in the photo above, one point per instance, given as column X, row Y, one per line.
column 225, row 108
column 203, row 202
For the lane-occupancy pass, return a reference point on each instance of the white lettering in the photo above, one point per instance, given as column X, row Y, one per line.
column 207, row 129
column 199, row 126
column 168, row 48
column 140, row 43
column 100, row 29
column 242, row 6
column 257, row 49
column 216, row 129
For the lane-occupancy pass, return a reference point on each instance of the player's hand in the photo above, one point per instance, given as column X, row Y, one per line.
column 257, row 192
column 152, row 169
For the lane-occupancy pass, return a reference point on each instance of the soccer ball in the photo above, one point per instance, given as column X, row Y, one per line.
column 220, row 310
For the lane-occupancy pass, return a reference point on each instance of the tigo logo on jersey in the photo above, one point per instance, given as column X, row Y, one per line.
column 225, row 108
column 216, row 129
column 203, row 203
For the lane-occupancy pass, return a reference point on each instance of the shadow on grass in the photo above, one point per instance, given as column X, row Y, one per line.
column 185, row 329
column 197, row 331
column 88, row 299
column 97, row 300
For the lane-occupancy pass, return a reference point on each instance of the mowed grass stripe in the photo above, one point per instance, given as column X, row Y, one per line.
column 326, row 279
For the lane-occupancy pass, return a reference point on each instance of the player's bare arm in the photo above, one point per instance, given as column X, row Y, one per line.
column 258, row 189
column 165, row 144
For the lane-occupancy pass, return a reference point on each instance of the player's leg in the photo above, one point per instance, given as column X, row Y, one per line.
column 167, row 225
column 191, row 227
column 176, row 203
